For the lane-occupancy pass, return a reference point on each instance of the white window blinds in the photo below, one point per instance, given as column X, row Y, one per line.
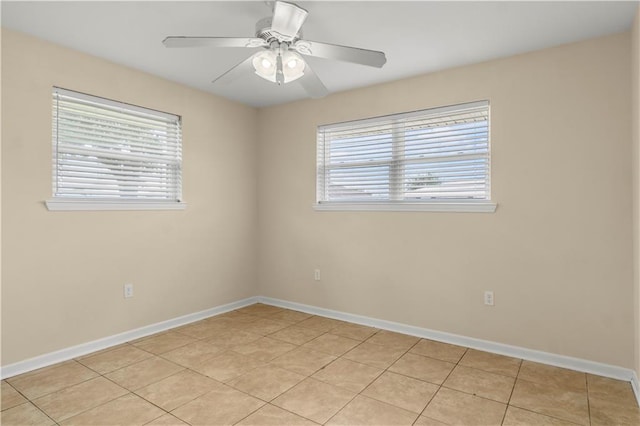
column 106, row 150
column 428, row 156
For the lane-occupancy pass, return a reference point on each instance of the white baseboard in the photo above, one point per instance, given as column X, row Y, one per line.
column 577, row 364
column 635, row 384
column 96, row 345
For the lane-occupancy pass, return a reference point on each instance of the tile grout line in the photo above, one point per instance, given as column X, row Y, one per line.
column 586, row 379
column 193, row 371
column 441, row 385
column 421, row 414
column 356, row 393
column 246, row 393
column 30, row 402
column 515, row 381
column 553, row 416
column 133, row 392
column 272, row 399
column 387, row 370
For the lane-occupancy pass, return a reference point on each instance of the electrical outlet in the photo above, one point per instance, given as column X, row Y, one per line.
column 128, row 291
column 316, row 274
column 488, row 298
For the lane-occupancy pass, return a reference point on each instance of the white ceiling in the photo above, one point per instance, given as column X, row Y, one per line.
column 417, row 36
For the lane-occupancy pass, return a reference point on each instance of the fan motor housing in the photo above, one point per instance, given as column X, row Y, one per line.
column 263, row 31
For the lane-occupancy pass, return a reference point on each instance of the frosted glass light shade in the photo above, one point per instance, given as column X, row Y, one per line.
column 265, row 64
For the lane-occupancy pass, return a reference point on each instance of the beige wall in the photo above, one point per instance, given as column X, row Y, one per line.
column 556, row 252
column 635, row 120
column 63, row 272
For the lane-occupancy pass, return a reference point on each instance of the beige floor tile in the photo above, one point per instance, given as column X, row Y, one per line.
column 102, row 351
column 354, row 331
column 227, row 366
column 74, row 400
column 331, row 344
column 50, row 379
column 164, row 342
column 457, row 408
column 264, row 349
column 130, row 410
column 426, row 421
column 374, row 355
column 177, row 390
column 106, row 362
column 24, row 415
column 314, row 400
column 270, row 415
column 193, row 354
column 266, row 382
column 390, row 338
column 347, row 374
column 296, row 335
column 232, row 337
column 613, row 390
column 552, row 401
column 259, row 309
column 233, row 318
column 401, row 391
column 480, row 383
column 289, row 315
column 203, row 329
column 220, row 406
column 10, row 396
column 320, row 323
column 518, row 417
column 607, row 412
column 296, row 368
column 493, row 363
column 423, row 368
column 143, row 373
column 264, row 326
column 550, row 375
column 438, row 350
column 303, row 361
column 167, row 420
column 366, row 411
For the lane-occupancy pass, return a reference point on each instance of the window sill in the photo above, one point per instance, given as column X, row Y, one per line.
column 78, row 205
column 477, row 207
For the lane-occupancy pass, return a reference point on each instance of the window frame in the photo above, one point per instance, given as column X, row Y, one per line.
column 84, row 203
column 429, row 205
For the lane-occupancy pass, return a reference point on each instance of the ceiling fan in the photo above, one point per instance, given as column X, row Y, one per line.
column 280, row 41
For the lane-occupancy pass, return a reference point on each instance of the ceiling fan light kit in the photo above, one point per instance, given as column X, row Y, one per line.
column 266, row 65
column 280, row 37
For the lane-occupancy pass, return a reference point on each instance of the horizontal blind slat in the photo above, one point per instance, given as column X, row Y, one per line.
column 386, row 132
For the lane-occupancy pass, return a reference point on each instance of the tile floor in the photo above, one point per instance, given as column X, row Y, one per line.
column 262, row 365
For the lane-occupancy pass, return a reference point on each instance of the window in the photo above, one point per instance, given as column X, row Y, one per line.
column 435, row 159
column 109, row 155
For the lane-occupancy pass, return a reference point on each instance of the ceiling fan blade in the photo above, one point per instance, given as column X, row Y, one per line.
column 372, row 58
column 312, row 84
column 242, row 69
column 184, row 41
column 287, row 20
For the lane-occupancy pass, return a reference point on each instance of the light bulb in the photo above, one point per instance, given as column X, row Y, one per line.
column 294, row 66
column 263, row 63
